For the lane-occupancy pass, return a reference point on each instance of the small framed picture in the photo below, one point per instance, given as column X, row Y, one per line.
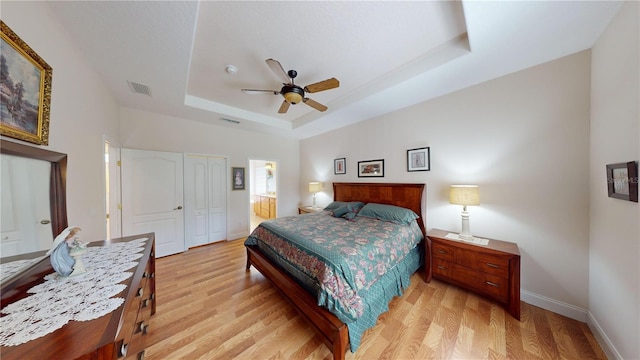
column 622, row 181
column 340, row 166
column 418, row 159
column 237, row 178
column 371, row 168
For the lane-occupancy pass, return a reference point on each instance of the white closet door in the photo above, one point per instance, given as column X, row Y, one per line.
column 205, row 200
column 152, row 197
column 217, row 199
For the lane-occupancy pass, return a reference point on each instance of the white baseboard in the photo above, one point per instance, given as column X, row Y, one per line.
column 558, row 307
column 576, row 313
column 603, row 339
column 238, row 235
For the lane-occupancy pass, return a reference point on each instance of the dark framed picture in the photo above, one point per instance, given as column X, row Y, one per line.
column 26, row 90
column 340, row 166
column 371, row 168
column 237, row 178
column 622, row 181
column 419, row 159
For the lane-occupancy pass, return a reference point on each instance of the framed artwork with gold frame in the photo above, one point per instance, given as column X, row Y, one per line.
column 25, row 90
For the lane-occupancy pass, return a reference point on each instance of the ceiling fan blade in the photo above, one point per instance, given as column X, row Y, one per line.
column 284, row 107
column 253, row 92
column 322, row 85
column 314, row 104
column 278, row 70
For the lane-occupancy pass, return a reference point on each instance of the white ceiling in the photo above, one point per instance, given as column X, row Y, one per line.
column 386, row 54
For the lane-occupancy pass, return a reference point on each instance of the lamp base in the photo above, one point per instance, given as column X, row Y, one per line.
column 465, row 234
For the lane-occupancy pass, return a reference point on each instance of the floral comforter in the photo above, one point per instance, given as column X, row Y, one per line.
column 341, row 259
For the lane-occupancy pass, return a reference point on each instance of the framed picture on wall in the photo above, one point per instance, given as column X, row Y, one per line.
column 340, row 166
column 26, row 90
column 419, row 159
column 371, row 168
column 622, row 181
column 237, row 178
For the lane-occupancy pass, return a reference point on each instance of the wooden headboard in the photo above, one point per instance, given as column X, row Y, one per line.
column 405, row 195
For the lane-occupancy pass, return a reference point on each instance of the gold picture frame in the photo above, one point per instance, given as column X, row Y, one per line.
column 25, row 90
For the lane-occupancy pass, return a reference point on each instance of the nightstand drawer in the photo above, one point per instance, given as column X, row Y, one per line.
column 487, row 284
column 442, row 268
column 494, row 286
column 442, row 252
column 493, row 265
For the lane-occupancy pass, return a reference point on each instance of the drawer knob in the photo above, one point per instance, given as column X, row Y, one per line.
column 493, row 265
column 442, row 251
column 144, row 328
column 442, row 267
column 140, row 292
column 493, row 284
column 145, row 303
column 123, row 350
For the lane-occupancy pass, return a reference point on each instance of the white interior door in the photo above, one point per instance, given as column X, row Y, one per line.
column 25, row 223
column 205, row 200
column 217, row 199
column 152, row 197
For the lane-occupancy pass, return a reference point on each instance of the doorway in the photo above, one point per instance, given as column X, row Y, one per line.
column 263, row 185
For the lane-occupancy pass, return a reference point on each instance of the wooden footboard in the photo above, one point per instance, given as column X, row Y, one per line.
column 333, row 331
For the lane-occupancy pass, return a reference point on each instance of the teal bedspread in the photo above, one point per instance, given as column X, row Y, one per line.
column 354, row 266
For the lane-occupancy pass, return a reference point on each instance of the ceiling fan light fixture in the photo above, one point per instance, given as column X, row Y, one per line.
column 293, row 94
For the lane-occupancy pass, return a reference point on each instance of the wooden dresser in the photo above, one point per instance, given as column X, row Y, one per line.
column 117, row 335
column 491, row 270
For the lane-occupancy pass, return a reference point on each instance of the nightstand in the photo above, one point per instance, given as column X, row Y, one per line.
column 307, row 209
column 491, row 269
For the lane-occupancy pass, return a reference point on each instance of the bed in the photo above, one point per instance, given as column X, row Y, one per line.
column 342, row 319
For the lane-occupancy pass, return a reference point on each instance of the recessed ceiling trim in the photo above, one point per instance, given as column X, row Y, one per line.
column 231, row 111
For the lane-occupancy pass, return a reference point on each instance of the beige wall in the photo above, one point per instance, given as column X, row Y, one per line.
column 523, row 138
column 614, row 231
column 144, row 130
column 83, row 112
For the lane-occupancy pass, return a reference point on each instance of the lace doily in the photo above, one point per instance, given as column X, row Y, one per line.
column 83, row 297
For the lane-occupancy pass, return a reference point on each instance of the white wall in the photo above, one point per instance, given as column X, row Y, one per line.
column 82, row 112
column 614, row 271
column 523, row 138
column 149, row 131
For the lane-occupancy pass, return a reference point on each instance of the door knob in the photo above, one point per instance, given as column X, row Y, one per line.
column 45, row 222
column 178, row 208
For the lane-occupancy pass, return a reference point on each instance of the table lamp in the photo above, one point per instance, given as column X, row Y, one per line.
column 465, row 195
column 315, row 187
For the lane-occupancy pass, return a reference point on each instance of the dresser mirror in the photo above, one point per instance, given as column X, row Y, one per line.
column 34, row 205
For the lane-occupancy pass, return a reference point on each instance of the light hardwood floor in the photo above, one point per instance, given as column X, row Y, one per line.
column 209, row 307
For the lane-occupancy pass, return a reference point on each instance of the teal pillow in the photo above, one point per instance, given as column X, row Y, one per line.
column 336, row 204
column 395, row 214
column 341, row 211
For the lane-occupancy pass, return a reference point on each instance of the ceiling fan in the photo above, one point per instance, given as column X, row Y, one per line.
column 293, row 93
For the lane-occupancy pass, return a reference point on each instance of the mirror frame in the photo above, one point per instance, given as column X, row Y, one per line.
column 57, row 179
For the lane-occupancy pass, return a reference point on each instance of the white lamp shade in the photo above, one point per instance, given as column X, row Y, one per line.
column 315, row 187
column 464, row 195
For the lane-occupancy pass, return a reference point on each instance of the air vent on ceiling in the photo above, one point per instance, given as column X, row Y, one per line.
column 139, row 88
column 230, row 120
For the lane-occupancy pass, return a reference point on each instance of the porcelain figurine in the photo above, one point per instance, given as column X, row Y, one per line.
column 60, row 255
